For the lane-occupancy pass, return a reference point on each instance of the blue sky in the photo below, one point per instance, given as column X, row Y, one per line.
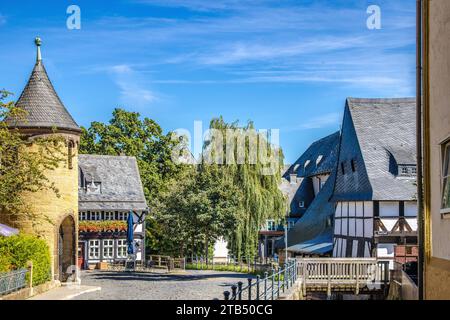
column 283, row 64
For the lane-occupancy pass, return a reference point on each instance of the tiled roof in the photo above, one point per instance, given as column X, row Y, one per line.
column 43, row 107
column 121, row 187
column 376, row 134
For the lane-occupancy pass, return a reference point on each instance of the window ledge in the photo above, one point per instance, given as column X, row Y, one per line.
column 445, row 213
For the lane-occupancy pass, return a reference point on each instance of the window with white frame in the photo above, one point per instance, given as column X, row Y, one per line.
column 123, row 216
column 121, row 248
column 108, row 249
column 271, row 225
column 82, row 215
column 96, row 215
column 291, row 223
column 109, row 215
column 445, row 206
column 94, row 249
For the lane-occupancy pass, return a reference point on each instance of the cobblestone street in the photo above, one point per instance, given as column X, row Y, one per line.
column 191, row 285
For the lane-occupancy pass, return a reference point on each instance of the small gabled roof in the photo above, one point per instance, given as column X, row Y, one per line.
column 119, row 179
column 381, row 133
column 42, row 104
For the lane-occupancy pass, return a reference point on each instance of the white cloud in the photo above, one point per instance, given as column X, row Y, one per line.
column 244, row 52
column 205, row 5
column 131, row 90
column 323, row 121
column 2, row 19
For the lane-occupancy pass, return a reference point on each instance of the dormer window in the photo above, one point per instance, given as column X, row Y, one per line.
column 407, row 170
column 93, row 188
column 307, row 163
column 319, row 158
column 353, row 164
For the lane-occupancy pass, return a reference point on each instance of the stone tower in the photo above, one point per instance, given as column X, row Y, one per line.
column 46, row 115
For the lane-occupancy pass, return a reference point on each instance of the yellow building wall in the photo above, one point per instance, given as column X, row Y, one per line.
column 50, row 209
column 437, row 100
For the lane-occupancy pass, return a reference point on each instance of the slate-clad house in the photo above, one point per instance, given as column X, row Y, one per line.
column 314, row 173
column 307, row 183
column 375, row 187
column 109, row 187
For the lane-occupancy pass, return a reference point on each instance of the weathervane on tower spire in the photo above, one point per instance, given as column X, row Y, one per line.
column 38, row 42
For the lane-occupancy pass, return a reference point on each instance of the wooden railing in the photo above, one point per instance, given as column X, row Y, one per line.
column 166, row 262
column 342, row 274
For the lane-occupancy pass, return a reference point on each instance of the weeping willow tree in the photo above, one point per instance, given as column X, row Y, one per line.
column 253, row 165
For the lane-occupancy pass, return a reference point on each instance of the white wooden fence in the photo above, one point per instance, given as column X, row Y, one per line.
column 342, row 274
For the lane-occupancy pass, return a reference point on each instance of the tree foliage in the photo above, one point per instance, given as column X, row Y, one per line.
column 193, row 205
column 260, row 196
column 127, row 134
column 16, row 251
column 222, row 198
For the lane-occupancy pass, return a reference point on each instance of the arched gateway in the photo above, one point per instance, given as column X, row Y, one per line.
column 66, row 248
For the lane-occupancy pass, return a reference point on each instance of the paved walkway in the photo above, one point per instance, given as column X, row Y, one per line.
column 192, row 285
column 66, row 292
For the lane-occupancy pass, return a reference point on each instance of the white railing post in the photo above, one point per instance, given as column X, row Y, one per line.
column 329, row 279
column 357, row 278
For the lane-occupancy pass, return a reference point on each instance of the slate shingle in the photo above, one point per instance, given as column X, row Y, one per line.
column 43, row 107
column 121, row 187
column 374, row 130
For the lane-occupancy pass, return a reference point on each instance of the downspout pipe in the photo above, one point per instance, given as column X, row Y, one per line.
column 419, row 144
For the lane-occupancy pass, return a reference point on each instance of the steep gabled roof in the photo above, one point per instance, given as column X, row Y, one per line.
column 120, row 183
column 375, row 132
column 43, row 107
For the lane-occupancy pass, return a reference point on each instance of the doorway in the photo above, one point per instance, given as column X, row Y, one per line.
column 66, row 248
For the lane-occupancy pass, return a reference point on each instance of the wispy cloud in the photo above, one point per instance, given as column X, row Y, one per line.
column 2, row 19
column 323, row 121
column 205, row 5
column 132, row 92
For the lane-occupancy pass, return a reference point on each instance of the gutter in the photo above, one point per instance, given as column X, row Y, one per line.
column 419, row 144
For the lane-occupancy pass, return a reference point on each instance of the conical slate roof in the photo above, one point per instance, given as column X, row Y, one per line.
column 43, row 107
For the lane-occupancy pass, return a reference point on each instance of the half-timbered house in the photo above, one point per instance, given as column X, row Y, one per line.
column 109, row 189
column 375, row 186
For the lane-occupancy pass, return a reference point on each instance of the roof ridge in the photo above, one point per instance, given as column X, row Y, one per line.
column 380, row 100
column 106, row 156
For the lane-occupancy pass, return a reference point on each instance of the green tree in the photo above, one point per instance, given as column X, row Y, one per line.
column 127, row 134
column 260, row 196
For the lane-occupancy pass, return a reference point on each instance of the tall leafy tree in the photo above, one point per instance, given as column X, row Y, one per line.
column 127, row 134
column 260, row 196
